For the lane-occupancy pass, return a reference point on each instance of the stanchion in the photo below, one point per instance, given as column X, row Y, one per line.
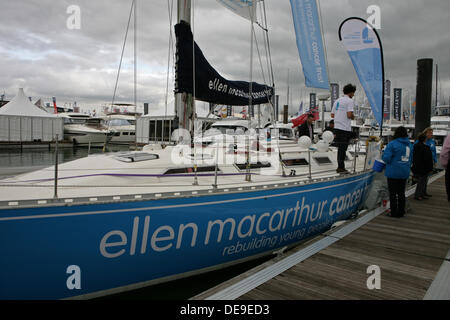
column 195, row 183
column 309, row 163
column 217, row 164
column 355, row 155
column 55, row 196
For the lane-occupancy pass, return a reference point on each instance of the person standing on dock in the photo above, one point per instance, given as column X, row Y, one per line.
column 444, row 158
column 429, row 141
column 397, row 157
column 422, row 166
column 342, row 113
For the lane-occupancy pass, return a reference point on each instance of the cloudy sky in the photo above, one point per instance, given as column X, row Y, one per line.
column 41, row 54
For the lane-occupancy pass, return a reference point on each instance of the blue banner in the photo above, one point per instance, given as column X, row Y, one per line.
column 312, row 101
column 365, row 51
column 334, row 93
column 387, row 100
column 310, row 43
column 398, row 104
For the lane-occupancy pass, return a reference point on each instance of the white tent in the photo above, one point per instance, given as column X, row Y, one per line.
column 22, row 121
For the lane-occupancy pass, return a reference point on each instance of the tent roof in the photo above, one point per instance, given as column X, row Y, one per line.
column 21, row 106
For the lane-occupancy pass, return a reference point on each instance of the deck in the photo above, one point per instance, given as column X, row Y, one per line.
column 412, row 255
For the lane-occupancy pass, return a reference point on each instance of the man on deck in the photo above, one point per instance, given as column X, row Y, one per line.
column 307, row 128
column 342, row 113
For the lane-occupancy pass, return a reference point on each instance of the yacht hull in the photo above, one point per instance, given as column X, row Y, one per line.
column 85, row 250
column 84, row 138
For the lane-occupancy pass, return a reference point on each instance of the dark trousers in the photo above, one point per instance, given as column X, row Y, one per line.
column 447, row 182
column 421, row 187
column 397, row 196
column 341, row 141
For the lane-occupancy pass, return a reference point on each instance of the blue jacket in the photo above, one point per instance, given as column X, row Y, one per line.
column 432, row 144
column 398, row 157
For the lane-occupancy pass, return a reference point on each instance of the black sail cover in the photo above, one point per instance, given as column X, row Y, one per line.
column 210, row 86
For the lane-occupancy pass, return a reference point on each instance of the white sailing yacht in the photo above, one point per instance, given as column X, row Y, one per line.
column 131, row 219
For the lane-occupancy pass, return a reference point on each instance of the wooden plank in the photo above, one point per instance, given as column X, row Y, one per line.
column 409, row 252
column 361, row 248
column 393, row 262
column 440, row 288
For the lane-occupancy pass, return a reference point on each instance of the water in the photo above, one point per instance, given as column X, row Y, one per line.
column 15, row 161
column 186, row 288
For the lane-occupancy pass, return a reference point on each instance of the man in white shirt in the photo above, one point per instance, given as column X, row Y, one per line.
column 342, row 113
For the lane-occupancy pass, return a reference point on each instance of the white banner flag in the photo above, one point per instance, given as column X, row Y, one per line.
column 366, row 52
column 244, row 8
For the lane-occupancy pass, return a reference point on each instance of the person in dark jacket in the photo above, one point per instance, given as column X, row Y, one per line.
column 330, row 126
column 307, row 128
column 422, row 166
column 444, row 159
column 397, row 157
column 429, row 141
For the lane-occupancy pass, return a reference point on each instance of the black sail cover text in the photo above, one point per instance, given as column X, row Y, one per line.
column 210, row 86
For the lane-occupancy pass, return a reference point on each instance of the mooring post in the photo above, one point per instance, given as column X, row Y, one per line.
column 424, row 88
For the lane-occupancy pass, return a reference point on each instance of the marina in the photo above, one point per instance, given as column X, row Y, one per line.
column 412, row 256
column 196, row 183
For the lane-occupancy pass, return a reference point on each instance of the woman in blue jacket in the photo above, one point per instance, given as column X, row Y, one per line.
column 398, row 156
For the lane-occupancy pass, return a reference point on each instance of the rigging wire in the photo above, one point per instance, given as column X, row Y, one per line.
column 259, row 57
column 268, row 44
column 120, row 67
column 123, row 50
column 135, row 54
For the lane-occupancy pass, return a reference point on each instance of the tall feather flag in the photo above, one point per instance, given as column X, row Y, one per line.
column 310, row 45
column 300, row 110
column 366, row 52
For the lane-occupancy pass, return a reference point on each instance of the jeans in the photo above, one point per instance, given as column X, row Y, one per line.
column 421, row 188
column 342, row 139
column 397, row 196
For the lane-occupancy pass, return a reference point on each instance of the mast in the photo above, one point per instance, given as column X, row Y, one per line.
column 287, row 98
column 248, row 176
column 184, row 101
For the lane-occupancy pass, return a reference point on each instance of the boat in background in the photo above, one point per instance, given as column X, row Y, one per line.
column 440, row 123
column 122, row 127
column 82, row 129
column 285, row 130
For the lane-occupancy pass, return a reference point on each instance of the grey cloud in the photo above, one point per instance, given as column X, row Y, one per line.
column 38, row 52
